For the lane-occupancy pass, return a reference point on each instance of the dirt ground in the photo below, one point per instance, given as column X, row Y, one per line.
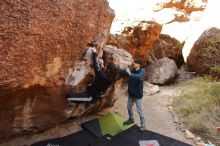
column 158, row 118
column 157, row 115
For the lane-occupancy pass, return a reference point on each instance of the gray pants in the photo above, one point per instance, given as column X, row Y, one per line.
column 138, row 102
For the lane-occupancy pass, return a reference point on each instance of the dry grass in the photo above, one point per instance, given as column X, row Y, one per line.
column 199, row 107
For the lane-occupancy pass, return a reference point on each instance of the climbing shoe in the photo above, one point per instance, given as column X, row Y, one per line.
column 142, row 128
column 129, row 121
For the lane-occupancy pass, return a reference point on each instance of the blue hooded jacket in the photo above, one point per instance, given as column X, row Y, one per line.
column 135, row 82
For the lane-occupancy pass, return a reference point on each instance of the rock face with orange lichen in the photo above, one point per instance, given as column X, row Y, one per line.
column 137, row 40
column 40, row 41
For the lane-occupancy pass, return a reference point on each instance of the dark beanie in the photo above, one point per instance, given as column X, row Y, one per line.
column 139, row 61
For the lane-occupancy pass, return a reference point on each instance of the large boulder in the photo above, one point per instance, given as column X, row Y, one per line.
column 119, row 56
column 137, row 40
column 162, row 72
column 201, row 30
column 150, row 89
column 204, row 57
column 40, row 41
column 166, row 46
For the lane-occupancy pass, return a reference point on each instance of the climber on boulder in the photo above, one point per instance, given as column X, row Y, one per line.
column 104, row 77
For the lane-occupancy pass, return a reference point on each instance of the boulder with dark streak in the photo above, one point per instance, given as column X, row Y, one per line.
column 166, row 46
column 162, row 72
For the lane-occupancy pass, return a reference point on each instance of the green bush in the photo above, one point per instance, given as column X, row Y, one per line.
column 215, row 70
column 199, row 107
column 210, row 46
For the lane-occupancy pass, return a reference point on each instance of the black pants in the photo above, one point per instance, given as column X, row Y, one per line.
column 79, row 97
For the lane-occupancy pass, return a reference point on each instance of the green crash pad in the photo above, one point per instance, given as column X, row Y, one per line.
column 110, row 124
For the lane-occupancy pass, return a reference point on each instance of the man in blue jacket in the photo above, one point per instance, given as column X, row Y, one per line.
column 135, row 91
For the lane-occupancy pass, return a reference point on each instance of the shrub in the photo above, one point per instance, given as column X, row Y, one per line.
column 199, row 107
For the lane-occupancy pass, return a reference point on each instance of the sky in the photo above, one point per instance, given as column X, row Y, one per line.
column 130, row 12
